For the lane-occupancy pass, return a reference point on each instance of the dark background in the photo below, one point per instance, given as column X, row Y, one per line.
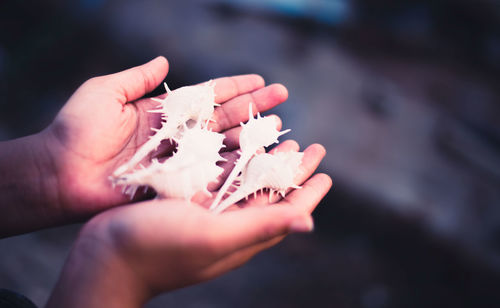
column 404, row 95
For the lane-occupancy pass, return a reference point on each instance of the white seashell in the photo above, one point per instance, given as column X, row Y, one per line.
column 201, row 143
column 259, row 132
column 256, row 133
column 185, row 114
column 276, row 172
column 188, row 171
column 184, row 107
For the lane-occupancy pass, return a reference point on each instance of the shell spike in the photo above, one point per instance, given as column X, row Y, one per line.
column 156, row 99
column 240, row 164
column 166, row 87
column 271, row 195
column 236, row 196
column 284, row 132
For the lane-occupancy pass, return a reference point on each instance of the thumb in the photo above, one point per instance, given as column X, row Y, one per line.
column 135, row 82
column 239, row 229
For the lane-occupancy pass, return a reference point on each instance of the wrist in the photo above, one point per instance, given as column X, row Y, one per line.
column 27, row 186
column 97, row 275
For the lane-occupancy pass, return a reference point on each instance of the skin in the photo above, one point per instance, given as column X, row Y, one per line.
column 130, row 252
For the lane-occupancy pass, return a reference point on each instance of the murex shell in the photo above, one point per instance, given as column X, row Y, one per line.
column 185, row 114
column 275, row 172
column 186, row 106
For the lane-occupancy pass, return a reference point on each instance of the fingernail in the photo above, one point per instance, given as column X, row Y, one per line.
column 303, row 224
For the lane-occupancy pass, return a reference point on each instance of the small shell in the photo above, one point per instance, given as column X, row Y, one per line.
column 256, row 133
column 276, row 172
column 259, row 132
column 184, row 107
column 189, row 103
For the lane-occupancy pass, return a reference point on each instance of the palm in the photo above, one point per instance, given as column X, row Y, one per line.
column 95, row 142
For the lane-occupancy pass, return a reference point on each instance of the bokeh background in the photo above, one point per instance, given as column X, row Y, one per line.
column 405, row 96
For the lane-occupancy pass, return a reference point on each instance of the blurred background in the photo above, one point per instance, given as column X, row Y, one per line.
column 405, row 96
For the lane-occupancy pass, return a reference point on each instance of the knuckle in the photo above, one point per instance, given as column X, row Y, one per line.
column 94, row 81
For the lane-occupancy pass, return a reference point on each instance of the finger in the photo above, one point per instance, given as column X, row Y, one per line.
column 232, row 140
column 286, row 146
column 313, row 156
column 243, row 255
column 227, row 88
column 240, row 229
column 239, row 257
column 235, row 111
column 135, row 82
column 310, row 162
column 311, row 193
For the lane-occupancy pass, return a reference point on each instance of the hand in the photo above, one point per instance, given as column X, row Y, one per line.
column 127, row 255
column 104, row 122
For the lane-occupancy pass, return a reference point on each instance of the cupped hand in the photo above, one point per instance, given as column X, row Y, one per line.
column 105, row 121
column 126, row 255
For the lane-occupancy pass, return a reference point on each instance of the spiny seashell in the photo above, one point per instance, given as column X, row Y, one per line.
column 188, row 171
column 186, row 106
column 201, row 143
column 276, row 172
column 259, row 132
column 172, row 180
column 256, row 133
